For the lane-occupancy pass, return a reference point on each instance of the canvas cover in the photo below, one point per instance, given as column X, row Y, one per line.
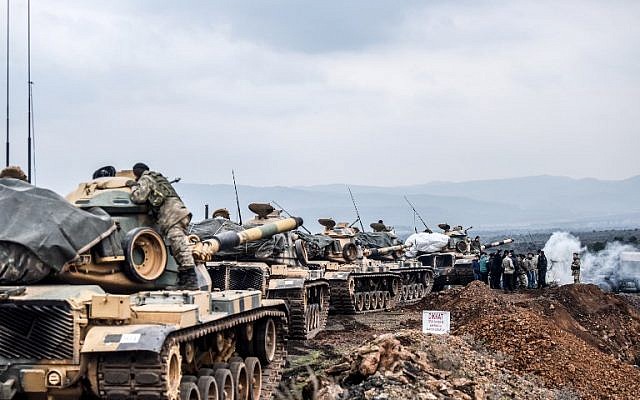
column 259, row 249
column 376, row 240
column 47, row 224
column 316, row 244
column 425, row 243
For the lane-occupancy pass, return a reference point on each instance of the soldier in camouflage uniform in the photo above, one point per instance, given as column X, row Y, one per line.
column 575, row 268
column 172, row 217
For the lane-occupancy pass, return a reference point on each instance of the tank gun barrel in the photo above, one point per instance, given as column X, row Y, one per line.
column 205, row 250
column 384, row 250
column 496, row 244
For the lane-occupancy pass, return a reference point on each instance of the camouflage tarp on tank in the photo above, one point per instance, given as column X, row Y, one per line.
column 316, row 244
column 47, row 224
column 263, row 248
column 376, row 240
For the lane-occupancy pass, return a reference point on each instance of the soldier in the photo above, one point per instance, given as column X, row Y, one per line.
column 105, row 172
column 575, row 268
column 542, row 270
column 530, row 266
column 172, row 217
column 14, row 172
column 507, row 275
column 221, row 213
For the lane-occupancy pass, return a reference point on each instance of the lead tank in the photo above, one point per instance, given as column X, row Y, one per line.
column 69, row 336
column 452, row 261
column 279, row 268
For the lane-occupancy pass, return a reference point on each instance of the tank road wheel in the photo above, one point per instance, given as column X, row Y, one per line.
column 394, row 285
column 189, row 391
column 240, row 380
column 245, row 339
column 316, row 316
column 380, row 296
column 374, row 300
column 145, row 255
column 359, row 301
column 428, row 282
column 173, row 366
column 226, row 387
column 387, row 301
column 405, row 293
column 367, row 300
column 421, row 292
column 254, row 373
column 412, row 292
column 207, row 388
column 266, row 341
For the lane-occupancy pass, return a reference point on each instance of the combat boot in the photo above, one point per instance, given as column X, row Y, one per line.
column 187, row 279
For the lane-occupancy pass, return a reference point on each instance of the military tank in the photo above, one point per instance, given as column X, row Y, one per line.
column 278, row 268
column 453, row 260
column 416, row 279
column 65, row 336
column 357, row 283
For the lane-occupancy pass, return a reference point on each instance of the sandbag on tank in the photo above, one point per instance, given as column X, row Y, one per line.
column 425, row 243
column 40, row 231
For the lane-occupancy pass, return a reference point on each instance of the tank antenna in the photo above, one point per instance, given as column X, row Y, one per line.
column 235, row 188
column 289, row 215
column 7, row 83
column 416, row 213
column 29, row 83
column 356, row 208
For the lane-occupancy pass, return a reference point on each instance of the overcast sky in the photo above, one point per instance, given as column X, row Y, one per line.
column 310, row 92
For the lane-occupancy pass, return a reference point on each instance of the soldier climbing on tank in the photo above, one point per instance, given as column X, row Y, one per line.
column 575, row 268
column 172, row 217
column 14, row 172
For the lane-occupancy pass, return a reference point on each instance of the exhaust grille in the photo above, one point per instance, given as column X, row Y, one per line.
column 247, row 278
column 36, row 332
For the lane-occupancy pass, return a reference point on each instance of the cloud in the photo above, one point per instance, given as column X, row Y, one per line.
column 310, row 93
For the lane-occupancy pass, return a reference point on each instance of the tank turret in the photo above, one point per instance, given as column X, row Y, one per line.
column 278, row 267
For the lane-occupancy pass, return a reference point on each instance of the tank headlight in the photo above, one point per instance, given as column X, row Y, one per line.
column 54, row 378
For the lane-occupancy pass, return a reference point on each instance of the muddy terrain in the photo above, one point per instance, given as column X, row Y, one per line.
column 568, row 342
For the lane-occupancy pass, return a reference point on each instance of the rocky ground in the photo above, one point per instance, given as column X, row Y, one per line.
column 568, row 342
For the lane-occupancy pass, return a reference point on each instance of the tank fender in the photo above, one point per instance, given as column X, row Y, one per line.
column 337, row 275
column 286, row 283
column 108, row 339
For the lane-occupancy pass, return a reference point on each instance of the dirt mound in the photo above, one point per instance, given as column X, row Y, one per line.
column 604, row 320
column 412, row 365
column 574, row 335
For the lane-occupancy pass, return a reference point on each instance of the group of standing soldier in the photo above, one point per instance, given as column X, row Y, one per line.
column 509, row 271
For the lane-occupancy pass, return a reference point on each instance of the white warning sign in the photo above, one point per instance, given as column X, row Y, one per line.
column 438, row 322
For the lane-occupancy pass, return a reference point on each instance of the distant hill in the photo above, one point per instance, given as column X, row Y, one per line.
column 518, row 203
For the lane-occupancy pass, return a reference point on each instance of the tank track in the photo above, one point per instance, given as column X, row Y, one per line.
column 344, row 302
column 142, row 375
column 304, row 324
column 410, row 290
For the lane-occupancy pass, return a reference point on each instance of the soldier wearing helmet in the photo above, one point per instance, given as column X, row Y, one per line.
column 221, row 213
column 14, row 172
column 575, row 268
column 172, row 217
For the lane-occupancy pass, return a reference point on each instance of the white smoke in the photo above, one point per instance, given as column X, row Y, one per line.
column 559, row 250
column 603, row 268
